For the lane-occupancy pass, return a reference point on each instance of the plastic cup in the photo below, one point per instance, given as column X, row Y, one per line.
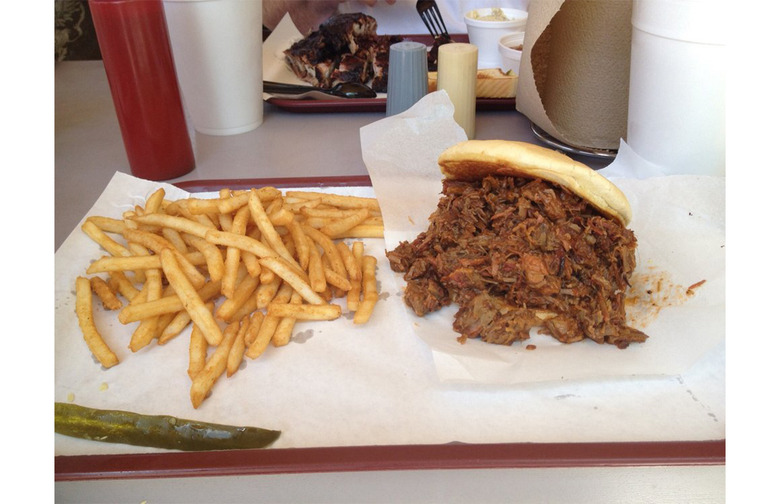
column 484, row 32
column 217, row 48
column 407, row 79
column 136, row 55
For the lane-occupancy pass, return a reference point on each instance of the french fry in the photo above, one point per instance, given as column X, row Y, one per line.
column 233, row 254
column 139, row 308
column 362, row 231
column 267, row 228
column 236, row 354
column 163, row 321
column 370, row 294
column 107, row 264
column 101, row 238
column 242, row 242
column 242, row 292
column 121, row 284
column 107, row 224
column 249, row 307
column 92, row 337
column 215, row 263
column 328, row 248
column 251, row 263
column 269, row 324
column 289, row 275
column 239, row 199
column 339, row 281
column 147, row 328
column 337, row 200
column 215, row 366
column 201, row 315
column 353, row 296
column 267, row 291
column 255, row 320
column 154, row 202
column 302, row 247
column 183, row 224
column 284, row 329
column 147, row 239
column 281, row 216
column 341, row 226
column 274, row 206
column 174, row 327
column 316, row 269
column 297, row 205
column 175, row 239
column 304, row 311
column 107, row 296
column 351, row 264
column 197, row 206
column 328, row 212
column 198, row 350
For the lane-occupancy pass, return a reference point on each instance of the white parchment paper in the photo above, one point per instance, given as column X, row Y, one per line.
column 679, row 224
column 274, row 67
column 337, row 384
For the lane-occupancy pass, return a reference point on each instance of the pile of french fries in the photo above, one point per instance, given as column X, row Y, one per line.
column 239, row 270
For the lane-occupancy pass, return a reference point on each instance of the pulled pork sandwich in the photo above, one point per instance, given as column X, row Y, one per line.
column 523, row 237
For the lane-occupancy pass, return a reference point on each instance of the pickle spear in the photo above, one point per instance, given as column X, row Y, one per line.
column 159, row 431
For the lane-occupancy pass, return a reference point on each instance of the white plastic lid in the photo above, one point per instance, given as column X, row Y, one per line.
column 702, row 21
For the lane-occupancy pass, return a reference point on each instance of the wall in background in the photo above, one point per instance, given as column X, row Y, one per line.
column 74, row 33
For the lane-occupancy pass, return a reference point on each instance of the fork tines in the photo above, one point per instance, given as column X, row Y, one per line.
column 429, row 12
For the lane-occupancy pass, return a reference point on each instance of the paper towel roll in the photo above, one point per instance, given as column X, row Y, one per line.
column 574, row 75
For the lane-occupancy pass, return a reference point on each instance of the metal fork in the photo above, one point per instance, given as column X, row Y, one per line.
column 429, row 12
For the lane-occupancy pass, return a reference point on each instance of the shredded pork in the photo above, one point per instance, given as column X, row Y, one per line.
column 514, row 254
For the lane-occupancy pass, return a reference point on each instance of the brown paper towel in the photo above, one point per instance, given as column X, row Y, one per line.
column 574, row 73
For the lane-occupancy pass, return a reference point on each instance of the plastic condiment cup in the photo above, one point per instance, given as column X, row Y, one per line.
column 484, row 31
column 511, row 49
column 217, row 48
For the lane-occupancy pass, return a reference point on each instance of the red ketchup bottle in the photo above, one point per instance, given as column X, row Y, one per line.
column 133, row 39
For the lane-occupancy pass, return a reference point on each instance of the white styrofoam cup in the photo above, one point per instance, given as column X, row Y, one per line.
column 217, row 50
column 676, row 101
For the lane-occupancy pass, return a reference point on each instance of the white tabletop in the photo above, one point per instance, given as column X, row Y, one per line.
column 89, row 150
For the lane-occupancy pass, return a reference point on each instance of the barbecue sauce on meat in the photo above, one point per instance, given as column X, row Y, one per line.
column 509, row 250
column 345, row 48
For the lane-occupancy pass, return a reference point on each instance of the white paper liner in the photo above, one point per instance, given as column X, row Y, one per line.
column 341, row 385
column 679, row 224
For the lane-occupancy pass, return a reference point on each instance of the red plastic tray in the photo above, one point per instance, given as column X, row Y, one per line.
column 376, row 458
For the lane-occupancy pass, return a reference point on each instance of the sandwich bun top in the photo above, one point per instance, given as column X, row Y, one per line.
column 474, row 159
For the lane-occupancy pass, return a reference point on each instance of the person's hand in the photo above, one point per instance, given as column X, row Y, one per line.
column 306, row 14
column 371, row 3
